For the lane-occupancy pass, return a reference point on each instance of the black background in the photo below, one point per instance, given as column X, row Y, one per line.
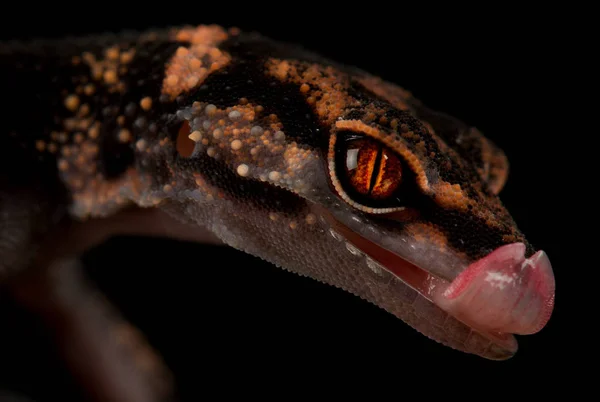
column 227, row 322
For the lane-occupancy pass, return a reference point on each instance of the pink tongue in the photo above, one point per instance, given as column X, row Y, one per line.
column 502, row 292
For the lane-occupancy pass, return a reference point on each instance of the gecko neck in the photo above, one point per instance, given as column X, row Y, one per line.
column 76, row 111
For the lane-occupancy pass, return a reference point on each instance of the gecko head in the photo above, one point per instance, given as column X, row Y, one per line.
column 430, row 214
column 397, row 205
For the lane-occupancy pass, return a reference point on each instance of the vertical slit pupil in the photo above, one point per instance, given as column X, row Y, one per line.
column 368, row 171
column 376, row 168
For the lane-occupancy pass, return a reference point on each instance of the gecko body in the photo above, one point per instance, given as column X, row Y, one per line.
column 319, row 168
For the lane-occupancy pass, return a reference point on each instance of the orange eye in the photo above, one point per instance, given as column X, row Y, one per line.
column 372, row 169
column 367, row 174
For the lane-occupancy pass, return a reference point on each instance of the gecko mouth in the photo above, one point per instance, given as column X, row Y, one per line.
column 497, row 296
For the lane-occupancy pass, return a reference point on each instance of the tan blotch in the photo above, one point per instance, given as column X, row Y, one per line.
column 323, row 86
column 451, row 196
column 190, row 66
column 112, row 53
column 274, row 176
column 84, row 110
column 89, row 89
column 202, row 34
column 195, row 136
column 106, row 69
column 146, row 103
column 243, row 170
column 124, row 135
column 236, row 145
column 141, row 144
column 63, row 165
column 127, row 56
column 428, row 232
column 110, row 77
column 72, row 102
column 94, row 131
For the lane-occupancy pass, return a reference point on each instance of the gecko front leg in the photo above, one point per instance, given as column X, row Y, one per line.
column 108, row 356
column 110, row 359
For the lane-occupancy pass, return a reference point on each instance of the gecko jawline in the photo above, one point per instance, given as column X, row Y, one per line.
column 499, row 295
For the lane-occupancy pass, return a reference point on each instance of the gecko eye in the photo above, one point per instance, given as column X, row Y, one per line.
column 365, row 173
column 371, row 169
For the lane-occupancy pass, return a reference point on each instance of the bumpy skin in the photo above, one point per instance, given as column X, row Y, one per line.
column 237, row 134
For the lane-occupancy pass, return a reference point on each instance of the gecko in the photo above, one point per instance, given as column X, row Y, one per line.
column 217, row 135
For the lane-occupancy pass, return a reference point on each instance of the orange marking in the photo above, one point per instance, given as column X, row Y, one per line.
column 281, row 70
column 146, row 103
column 94, row 131
column 107, row 68
column 110, row 76
column 89, row 89
column 451, row 196
column 72, row 102
column 190, row 66
column 83, row 110
column 40, row 145
column 97, row 197
column 323, row 86
column 124, row 135
column 127, row 56
column 203, row 34
column 427, row 232
column 63, row 165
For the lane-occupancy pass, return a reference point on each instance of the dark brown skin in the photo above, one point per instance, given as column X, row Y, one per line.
column 214, row 135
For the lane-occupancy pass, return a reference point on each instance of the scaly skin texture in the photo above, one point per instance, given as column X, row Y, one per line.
column 238, row 134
